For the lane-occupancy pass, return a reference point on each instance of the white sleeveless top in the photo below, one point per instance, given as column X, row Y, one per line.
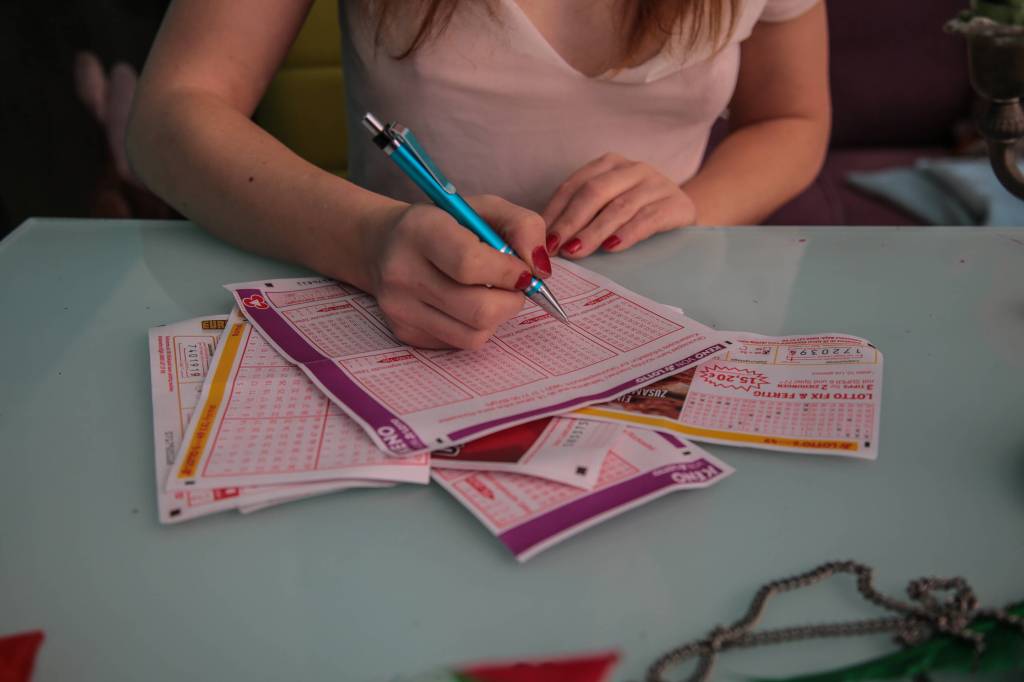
column 501, row 112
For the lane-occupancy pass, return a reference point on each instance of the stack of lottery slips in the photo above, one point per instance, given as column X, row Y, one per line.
column 493, row 417
column 303, row 390
column 229, row 413
column 547, row 430
column 238, row 427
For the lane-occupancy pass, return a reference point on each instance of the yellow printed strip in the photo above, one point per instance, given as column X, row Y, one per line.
column 206, row 415
column 692, row 431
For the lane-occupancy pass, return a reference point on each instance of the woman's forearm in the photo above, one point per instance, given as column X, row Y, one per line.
column 214, row 165
column 758, row 168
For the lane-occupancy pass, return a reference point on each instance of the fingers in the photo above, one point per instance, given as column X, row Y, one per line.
column 590, row 198
column 523, row 229
column 649, row 220
column 415, row 337
column 612, row 203
column 460, row 255
column 478, row 308
column 429, row 278
column 568, row 188
column 423, row 326
column 602, row 230
column 465, row 318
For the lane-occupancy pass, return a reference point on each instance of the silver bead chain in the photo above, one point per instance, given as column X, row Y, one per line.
column 918, row 619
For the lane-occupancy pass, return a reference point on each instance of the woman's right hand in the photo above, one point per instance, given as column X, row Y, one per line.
column 437, row 284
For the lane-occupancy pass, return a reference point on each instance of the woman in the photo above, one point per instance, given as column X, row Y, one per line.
column 571, row 126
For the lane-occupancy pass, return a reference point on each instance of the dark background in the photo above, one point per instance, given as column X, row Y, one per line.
column 52, row 150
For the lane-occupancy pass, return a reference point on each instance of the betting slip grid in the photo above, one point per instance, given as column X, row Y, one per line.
column 399, row 393
column 261, row 422
column 529, row 515
column 804, row 421
column 810, row 394
column 816, row 394
column 180, row 356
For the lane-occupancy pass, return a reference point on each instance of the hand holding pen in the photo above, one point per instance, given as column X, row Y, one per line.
column 437, row 284
column 399, row 143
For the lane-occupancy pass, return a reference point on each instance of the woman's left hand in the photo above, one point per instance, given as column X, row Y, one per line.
column 613, row 203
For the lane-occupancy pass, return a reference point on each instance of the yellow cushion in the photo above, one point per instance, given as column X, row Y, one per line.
column 304, row 106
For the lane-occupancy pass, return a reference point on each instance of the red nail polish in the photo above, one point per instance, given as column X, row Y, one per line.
column 524, row 280
column 573, row 246
column 541, row 260
column 611, row 243
column 552, row 242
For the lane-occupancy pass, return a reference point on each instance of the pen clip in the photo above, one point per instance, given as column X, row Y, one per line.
column 417, row 151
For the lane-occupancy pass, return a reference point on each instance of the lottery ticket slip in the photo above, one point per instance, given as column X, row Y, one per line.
column 277, row 502
column 816, row 394
column 259, row 421
column 534, row 366
column 180, row 355
column 569, row 451
column 529, row 514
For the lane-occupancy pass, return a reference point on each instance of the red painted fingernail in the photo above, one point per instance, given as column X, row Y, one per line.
column 552, row 242
column 573, row 246
column 611, row 243
column 524, row 280
column 541, row 260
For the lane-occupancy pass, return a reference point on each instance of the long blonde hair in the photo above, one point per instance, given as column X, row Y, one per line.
column 644, row 22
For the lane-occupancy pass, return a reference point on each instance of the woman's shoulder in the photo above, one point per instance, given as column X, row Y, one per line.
column 784, row 10
column 753, row 11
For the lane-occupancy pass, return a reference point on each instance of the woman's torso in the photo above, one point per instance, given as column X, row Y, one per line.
column 502, row 112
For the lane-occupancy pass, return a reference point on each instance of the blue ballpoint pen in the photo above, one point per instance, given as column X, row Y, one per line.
column 401, row 145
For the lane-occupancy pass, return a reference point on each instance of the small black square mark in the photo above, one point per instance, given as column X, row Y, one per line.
column 581, row 471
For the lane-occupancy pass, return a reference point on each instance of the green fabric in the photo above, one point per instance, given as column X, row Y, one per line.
column 1004, row 652
column 304, row 105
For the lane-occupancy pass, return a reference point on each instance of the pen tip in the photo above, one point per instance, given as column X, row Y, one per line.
column 544, row 298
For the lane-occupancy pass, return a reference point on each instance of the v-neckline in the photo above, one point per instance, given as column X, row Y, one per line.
column 651, row 69
column 555, row 55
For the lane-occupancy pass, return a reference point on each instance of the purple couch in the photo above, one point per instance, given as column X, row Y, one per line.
column 899, row 89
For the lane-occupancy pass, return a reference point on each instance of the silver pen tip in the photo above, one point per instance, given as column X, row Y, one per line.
column 557, row 311
column 546, row 300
